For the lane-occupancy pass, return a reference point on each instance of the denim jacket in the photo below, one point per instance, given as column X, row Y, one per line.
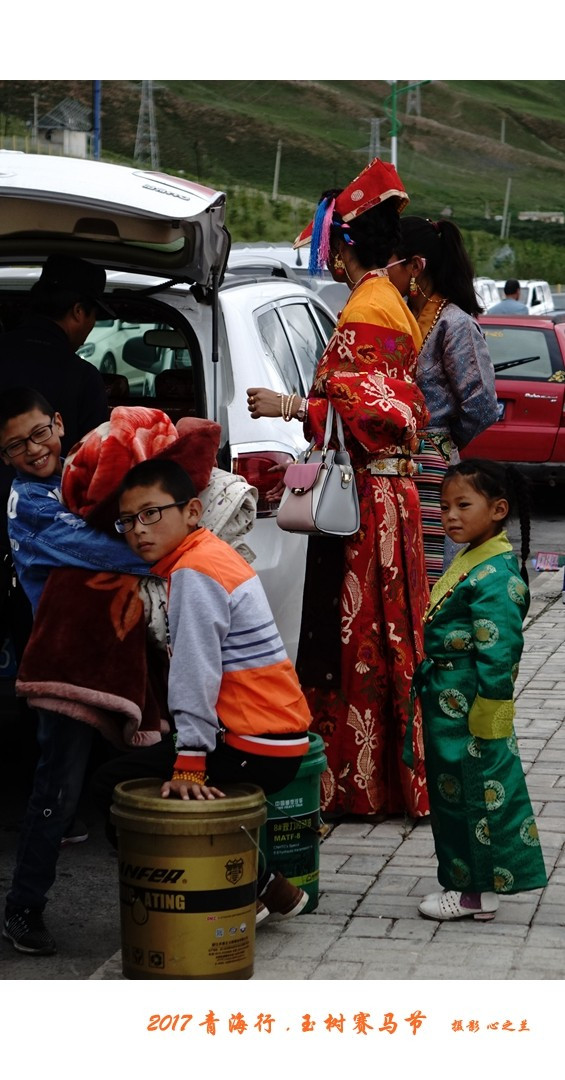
column 44, row 534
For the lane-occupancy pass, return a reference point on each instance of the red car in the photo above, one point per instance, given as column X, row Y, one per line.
column 528, row 353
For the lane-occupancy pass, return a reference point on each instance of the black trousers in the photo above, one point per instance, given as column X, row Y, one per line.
column 16, row 616
column 225, row 765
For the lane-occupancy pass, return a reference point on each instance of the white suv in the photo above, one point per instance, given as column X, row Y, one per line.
column 281, row 260
column 105, row 345
column 200, row 338
column 536, row 294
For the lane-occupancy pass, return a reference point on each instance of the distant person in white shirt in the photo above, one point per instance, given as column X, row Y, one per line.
column 511, row 305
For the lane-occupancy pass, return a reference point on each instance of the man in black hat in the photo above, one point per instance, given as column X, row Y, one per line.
column 64, row 304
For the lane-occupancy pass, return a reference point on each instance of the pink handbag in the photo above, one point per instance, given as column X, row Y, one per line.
column 320, row 493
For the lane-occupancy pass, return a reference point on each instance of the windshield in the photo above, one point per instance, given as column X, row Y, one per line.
column 525, row 353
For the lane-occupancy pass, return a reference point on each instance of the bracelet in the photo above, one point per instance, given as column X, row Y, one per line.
column 194, row 777
column 287, row 415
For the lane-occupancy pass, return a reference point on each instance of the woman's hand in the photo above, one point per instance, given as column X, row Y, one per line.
column 263, row 402
column 275, row 494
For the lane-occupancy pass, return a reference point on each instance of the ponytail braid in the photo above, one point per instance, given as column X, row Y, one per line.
column 519, row 485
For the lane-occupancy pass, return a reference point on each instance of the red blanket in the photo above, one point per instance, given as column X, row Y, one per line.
column 88, row 656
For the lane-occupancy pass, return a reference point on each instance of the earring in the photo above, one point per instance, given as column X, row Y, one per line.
column 413, row 286
column 338, row 263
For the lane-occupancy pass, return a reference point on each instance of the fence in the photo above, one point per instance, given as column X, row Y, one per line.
column 30, row 145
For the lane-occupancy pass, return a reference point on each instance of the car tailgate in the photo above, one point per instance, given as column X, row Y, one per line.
column 527, row 429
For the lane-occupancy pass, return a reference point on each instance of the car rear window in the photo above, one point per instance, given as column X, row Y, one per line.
column 536, row 349
column 133, row 357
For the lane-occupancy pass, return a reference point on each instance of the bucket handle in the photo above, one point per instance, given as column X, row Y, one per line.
column 260, row 853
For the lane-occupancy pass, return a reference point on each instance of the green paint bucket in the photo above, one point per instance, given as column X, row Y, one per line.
column 290, row 839
column 188, row 881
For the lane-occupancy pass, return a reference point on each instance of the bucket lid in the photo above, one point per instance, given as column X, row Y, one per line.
column 145, row 794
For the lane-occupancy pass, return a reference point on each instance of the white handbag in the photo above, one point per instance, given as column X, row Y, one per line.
column 320, row 492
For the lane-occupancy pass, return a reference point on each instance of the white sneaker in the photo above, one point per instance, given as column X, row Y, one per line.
column 77, row 833
column 447, row 905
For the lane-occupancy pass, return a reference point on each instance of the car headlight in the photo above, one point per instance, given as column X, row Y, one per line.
column 85, row 351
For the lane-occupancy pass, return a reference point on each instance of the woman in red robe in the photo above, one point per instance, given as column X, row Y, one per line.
column 365, row 596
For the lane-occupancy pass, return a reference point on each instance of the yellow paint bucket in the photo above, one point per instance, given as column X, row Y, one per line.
column 188, row 881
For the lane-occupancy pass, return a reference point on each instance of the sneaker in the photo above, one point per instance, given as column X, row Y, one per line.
column 27, row 932
column 281, row 900
column 76, row 834
column 261, row 912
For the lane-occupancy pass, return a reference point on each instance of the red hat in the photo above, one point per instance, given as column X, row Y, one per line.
column 378, row 181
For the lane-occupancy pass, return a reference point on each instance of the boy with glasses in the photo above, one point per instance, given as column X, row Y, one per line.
column 238, row 709
column 44, row 535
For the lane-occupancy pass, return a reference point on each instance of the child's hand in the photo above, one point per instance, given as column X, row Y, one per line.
column 184, row 789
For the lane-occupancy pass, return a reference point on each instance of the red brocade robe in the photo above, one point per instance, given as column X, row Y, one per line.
column 375, row 581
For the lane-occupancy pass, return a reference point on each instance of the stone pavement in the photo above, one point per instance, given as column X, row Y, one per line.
column 367, row 924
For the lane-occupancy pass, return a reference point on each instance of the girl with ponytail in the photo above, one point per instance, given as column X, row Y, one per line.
column 454, row 373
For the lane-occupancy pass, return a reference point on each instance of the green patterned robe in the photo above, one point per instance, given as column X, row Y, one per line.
column 484, row 830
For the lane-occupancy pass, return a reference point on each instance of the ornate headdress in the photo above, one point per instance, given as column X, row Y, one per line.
column 378, row 181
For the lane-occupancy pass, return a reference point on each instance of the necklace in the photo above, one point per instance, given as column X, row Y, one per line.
column 428, row 299
column 438, row 312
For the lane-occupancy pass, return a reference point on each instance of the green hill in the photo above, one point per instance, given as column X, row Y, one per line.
column 457, row 152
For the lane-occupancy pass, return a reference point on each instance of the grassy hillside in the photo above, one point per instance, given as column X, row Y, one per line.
column 459, row 153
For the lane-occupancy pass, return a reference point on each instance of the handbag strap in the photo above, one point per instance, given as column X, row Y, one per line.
column 328, row 433
column 329, row 426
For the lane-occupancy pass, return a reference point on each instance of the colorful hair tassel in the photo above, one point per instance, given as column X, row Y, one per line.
column 320, row 242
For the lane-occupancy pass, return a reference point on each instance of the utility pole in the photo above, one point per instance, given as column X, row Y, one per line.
column 375, row 140
column 503, row 230
column 35, row 122
column 413, row 102
column 146, row 145
column 395, row 92
column 277, row 171
column 96, row 115
column 393, row 125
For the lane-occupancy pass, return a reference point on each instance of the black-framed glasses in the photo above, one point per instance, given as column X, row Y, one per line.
column 150, row 516
column 40, row 435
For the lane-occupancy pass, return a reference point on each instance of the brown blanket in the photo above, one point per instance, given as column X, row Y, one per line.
column 88, row 657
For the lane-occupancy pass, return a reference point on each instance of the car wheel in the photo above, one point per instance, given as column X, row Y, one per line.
column 108, row 364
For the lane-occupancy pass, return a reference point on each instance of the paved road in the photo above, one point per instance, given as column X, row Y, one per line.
column 367, row 925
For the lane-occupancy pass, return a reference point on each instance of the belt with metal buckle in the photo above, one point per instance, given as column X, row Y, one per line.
column 393, row 466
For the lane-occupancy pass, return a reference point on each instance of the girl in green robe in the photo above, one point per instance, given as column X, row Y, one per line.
column 484, row 830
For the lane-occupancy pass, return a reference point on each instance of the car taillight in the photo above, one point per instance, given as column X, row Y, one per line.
column 264, row 469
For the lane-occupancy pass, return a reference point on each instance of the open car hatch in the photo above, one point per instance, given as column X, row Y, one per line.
column 121, row 217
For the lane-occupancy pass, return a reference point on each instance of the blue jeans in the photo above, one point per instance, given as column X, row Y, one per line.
column 64, row 746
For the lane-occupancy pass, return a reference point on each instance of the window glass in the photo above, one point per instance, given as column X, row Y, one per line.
column 327, row 325
column 278, row 348
column 306, row 339
column 138, row 351
column 512, row 343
